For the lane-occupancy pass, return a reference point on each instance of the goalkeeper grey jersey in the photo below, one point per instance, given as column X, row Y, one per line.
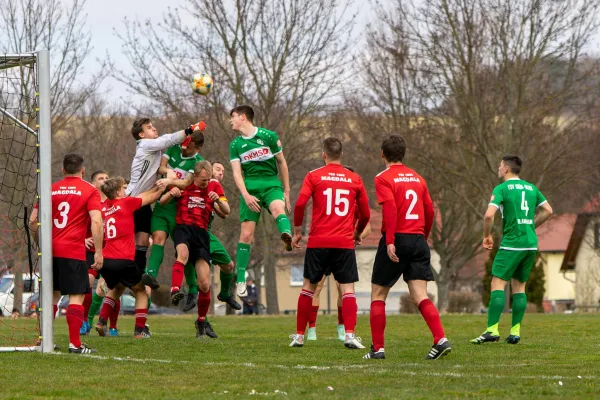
column 146, row 162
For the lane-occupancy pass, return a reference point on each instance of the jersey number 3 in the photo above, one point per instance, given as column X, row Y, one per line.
column 63, row 212
column 342, row 205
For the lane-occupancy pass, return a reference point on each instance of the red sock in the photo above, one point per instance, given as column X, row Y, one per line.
column 203, row 304
column 312, row 320
column 114, row 315
column 55, row 309
column 340, row 316
column 377, row 323
column 141, row 314
column 304, row 310
column 432, row 318
column 74, row 321
column 177, row 275
column 107, row 308
column 87, row 302
column 349, row 309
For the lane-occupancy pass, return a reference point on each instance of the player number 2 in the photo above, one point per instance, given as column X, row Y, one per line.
column 111, row 230
column 413, row 195
column 63, row 211
column 524, row 205
column 339, row 201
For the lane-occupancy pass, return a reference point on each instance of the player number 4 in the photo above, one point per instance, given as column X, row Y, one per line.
column 339, row 201
column 111, row 230
column 524, row 205
column 63, row 211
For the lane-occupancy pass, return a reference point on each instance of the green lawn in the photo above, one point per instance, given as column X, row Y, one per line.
column 252, row 355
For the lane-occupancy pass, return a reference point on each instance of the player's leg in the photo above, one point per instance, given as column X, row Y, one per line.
column 315, row 261
column 519, row 298
column 192, row 282
column 113, row 318
column 314, row 311
column 203, row 327
column 73, row 281
column 385, row 275
column 505, row 263
column 142, row 220
column 341, row 330
column 157, row 252
column 141, row 311
column 345, row 271
column 87, row 301
column 110, row 301
column 242, row 256
column 97, row 299
column 418, row 293
column 220, row 257
column 178, row 272
column 274, row 199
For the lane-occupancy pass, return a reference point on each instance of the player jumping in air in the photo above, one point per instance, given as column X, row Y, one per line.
column 335, row 192
column 403, row 249
column 311, row 334
column 144, row 168
column 177, row 165
column 518, row 201
column 257, row 153
column 195, row 205
column 74, row 203
column 119, row 270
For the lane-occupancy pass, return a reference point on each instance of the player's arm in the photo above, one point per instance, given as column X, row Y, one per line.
column 285, row 179
column 364, row 211
column 164, row 169
column 385, row 197
column 171, row 139
column 366, row 232
column 218, row 197
column 305, row 195
column 98, row 236
column 544, row 212
column 171, row 194
column 179, row 183
column 429, row 212
column 488, row 217
column 219, row 213
column 150, row 196
column 33, row 225
column 251, row 201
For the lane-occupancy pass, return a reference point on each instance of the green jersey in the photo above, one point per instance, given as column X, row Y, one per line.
column 517, row 201
column 256, row 154
column 180, row 164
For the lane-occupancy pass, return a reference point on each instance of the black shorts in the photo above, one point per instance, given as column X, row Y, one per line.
column 115, row 271
column 196, row 239
column 142, row 218
column 339, row 262
column 89, row 260
column 70, row 276
column 415, row 261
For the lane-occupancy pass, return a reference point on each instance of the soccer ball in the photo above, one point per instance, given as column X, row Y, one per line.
column 201, row 83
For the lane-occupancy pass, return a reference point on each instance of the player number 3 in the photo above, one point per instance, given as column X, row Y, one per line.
column 339, row 201
column 63, row 211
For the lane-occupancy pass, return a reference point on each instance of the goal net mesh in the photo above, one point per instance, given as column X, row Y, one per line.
column 19, row 273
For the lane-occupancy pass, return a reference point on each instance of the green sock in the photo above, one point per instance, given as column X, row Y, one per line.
column 94, row 307
column 242, row 257
column 156, row 258
column 283, row 224
column 519, row 304
column 495, row 311
column 149, row 302
column 190, row 278
column 226, row 279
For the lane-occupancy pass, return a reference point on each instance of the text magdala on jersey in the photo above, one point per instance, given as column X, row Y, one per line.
column 406, row 177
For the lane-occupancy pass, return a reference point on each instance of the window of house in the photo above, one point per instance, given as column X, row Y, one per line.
column 296, row 275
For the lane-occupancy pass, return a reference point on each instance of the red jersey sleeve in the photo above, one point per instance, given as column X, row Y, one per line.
column 303, row 197
column 383, row 189
column 133, row 203
column 429, row 211
column 218, row 189
column 93, row 202
column 362, row 202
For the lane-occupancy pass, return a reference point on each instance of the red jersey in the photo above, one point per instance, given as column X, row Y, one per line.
column 119, row 232
column 194, row 207
column 72, row 200
column 336, row 194
column 406, row 193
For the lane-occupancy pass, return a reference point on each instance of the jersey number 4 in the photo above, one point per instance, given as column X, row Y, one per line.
column 342, row 205
column 524, row 205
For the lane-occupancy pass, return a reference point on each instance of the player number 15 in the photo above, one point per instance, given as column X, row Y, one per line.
column 341, row 203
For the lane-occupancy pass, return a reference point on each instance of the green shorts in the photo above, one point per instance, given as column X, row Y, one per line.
column 266, row 191
column 218, row 254
column 513, row 264
column 163, row 218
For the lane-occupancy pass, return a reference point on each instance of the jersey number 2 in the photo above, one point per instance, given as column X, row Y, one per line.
column 339, row 201
column 63, row 211
column 413, row 195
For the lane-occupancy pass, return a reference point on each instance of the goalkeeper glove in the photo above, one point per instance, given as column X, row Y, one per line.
column 200, row 126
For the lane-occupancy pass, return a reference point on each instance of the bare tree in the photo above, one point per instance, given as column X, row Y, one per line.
column 284, row 58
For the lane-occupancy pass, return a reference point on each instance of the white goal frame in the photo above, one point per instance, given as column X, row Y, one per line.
column 44, row 143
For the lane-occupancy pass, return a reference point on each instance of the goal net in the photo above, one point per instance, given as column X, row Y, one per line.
column 20, row 177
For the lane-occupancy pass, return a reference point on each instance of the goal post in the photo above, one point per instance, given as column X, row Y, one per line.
column 25, row 179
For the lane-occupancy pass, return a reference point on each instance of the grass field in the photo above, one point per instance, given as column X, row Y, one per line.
column 252, row 359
